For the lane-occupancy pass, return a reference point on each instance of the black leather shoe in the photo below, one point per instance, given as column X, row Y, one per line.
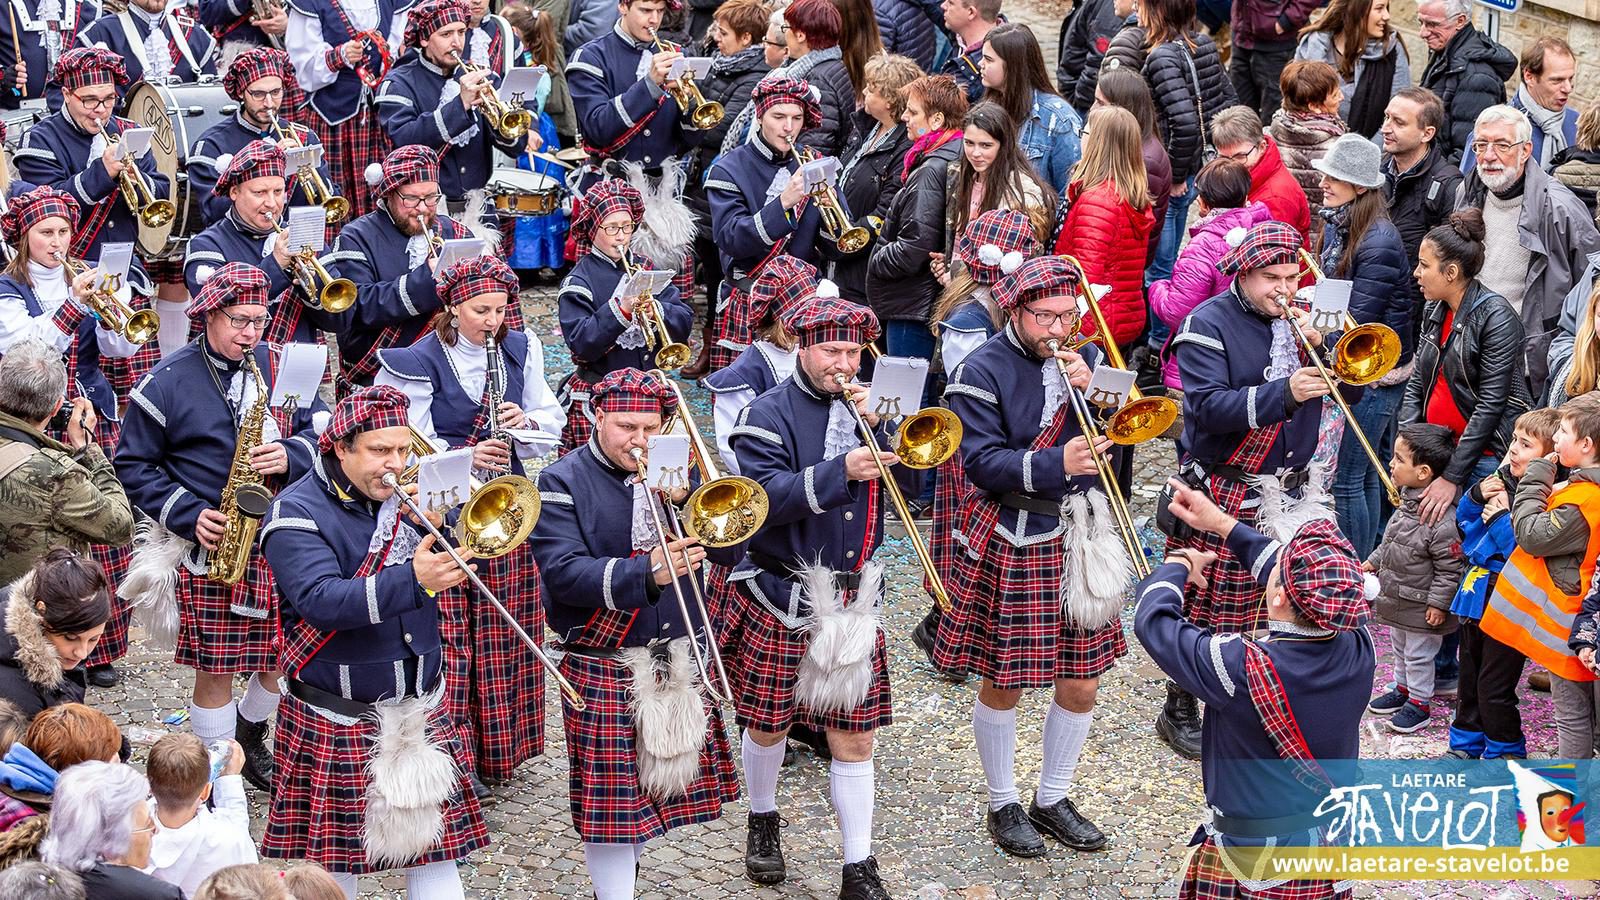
column 924, row 635
column 812, row 739
column 1011, row 830
column 479, row 789
column 103, row 676
column 763, row 853
column 252, row 736
column 1179, row 723
column 861, row 881
column 1063, row 822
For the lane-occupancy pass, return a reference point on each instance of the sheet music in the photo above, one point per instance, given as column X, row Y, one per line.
column 300, row 368
column 307, row 229
column 667, row 466
column 896, row 388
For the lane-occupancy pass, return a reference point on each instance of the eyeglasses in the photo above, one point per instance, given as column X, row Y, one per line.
column 1500, row 148
column 1239, row 157
column 411, row 202
column 774, row 43
column 1047, row 319
column 95, row 102
column 240, row 323
column 624, row 228
column 262, row 96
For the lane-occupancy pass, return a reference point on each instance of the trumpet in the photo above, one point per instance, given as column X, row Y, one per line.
column 1140, row 418
column 725, row 509
column 1363, row 355
column 334, row 294
column 137, row 326
column 725, row 693
column 835, row 224
column 510, row 122
column 703, row 113
column 152, row 211
column 572, row 695
column 317, row 190
column 671, row 354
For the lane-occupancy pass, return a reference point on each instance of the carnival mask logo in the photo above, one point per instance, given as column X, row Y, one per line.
column 1549, row 808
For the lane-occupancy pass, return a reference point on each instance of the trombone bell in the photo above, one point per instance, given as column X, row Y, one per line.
column 725, row 511
column 1365, row 354
column 498, row 516
column 927, row 438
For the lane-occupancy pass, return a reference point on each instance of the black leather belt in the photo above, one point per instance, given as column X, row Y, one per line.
column 1029, row 503
column 844, row 581
column 1293, row 480
column 591, row 652
column 1280, row 826
column 333, row 703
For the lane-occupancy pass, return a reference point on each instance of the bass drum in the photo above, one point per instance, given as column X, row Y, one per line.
column 179, row 114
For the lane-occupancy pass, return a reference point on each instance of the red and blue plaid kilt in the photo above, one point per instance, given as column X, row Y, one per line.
column 494, row 684
column 732, row 323
column 576, row 432
column 123, row 374
column 319, row 801
column 1206, row 877
column 683, row 279
column 608, row 806
column 1005, row 620
column 950, row 486
column 1233, row 601
column 165, row 270
column 719, row 594
column 763, row 655
column 114, row 642
column 351, row 146
column 212, row 637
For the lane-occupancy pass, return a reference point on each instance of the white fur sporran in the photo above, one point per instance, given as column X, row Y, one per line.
column 1096, row 573
column 1281, row 516
column 836, row 674
column 409, row 778
column 668, row 230
column 151, row 585
column 669, row 719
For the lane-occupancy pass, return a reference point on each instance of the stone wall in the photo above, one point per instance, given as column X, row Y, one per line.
column 1578, row 21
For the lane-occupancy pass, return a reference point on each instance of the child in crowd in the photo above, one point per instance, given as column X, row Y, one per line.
column 194, row 841
column 1418, row 567
column 1488, row 724
column 1542, row 585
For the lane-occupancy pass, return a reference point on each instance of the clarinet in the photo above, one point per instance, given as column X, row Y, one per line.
column 494, row 387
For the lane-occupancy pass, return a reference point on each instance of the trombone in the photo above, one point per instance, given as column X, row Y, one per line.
column 317, row 191
column 725, row 509
column 703, row 113
column 334, row 294
column 725, row 694
column 511, row 123
column 672, row 354
column 497, row 517
column 573, row 697
column 137, row 326
column 1364, row 352
column 152, row 211
column 1140, row 418
column 835, row 224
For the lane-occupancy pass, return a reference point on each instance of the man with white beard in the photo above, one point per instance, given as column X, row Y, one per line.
column 1539, row 233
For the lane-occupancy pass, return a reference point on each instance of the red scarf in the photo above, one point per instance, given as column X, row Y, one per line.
column 926, row 144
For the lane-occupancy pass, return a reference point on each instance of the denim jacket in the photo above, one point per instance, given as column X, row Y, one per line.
column 1050, row 138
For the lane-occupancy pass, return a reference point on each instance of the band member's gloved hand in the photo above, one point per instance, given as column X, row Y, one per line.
column 1196, row 561
column 80, row 423
column 1307, row 384
column 1078, row 371
column 436, row 571
column 109, row 159
column 1076, row 458
column 1198, row 511
column 858, row 464
column 269, row 459
column 494, row 455
column 794, row 191
column 680, row 566
column 209, row 528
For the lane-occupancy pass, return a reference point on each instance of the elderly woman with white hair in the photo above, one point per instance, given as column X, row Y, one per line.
column 100, row 828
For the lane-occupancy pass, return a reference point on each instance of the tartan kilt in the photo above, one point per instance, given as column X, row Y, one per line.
column 165, row 269
column 212, row 637
column 114, row 642
column 608, row 805
column 494, row 686
column 351, row 146
column 732, row 321
column 1233, row 601
column 762, row 656
column 684, row 279
column 1005, row 620
column 576, row 432
column 1206, row 877
column 319, row 801
column 123, row 374
column 950, row 486
column 719, row 594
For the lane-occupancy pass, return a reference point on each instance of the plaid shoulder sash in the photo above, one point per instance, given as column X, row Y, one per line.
column 301, row 642
column 1277, row 717
column 986, row 516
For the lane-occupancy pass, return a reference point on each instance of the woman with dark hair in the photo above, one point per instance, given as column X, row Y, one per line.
column 816, row 56
column 1125, row 89
column 859, row 41
column 1014, row 74
column 1469, row 373
column 55, row 615
column 1361, row 245
column 1354, row 36
column 993, row 174
column 873, row 167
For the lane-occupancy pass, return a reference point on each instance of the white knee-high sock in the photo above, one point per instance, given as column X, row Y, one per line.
column 761, row 768
column 434, row 881
column 851, row 786
column 996, row 731
column 1065, row 732
column 213, row 724
column 348, row 882
column 259, row 702
column 610, row 870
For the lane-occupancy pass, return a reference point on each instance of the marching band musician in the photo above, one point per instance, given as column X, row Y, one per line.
column 341, row 51
column 759, row 205
column 422, row 102
column 496, row 687
column 260, row 81
column 179, row 456
column 636, row 772
column 372, row 770
column 1039, row 577
column 240, row 25
column 491, row 41
column 604, row 331
column 1296, row 695
column 252, row 183
column 1252, row 410
column 39, row 302
column 158, row 41
column 809, row 572
column 39, row 31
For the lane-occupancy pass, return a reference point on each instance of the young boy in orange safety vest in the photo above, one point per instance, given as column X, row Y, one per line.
column 1542, row 586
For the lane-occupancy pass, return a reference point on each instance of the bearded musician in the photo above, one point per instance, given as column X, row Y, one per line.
column 159, row 42
column 39, row 30
column 179, row 449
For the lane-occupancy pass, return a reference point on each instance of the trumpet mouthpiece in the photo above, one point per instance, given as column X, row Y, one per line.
column 838, row 378
column 636, row 453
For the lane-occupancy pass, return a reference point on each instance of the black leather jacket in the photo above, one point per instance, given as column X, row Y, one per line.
column 900, row 281
column 1483, row 367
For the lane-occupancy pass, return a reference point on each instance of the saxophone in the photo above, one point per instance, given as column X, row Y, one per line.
column 245, row 497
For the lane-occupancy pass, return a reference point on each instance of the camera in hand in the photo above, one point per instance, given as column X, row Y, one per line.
column 1174, row 528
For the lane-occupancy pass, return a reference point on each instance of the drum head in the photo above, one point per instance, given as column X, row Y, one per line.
column 147, row 106
column 507, row 180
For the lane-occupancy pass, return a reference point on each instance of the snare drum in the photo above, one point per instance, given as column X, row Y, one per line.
column 518, row 192
column 179, row 113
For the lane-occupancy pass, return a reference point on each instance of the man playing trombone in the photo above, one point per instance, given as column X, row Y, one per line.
column 805, row 645
column 260, row 81
column 1252, row 412
column 636, row 774
column 424, row 102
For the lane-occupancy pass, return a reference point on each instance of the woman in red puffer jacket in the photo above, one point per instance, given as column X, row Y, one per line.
column 1109, row 219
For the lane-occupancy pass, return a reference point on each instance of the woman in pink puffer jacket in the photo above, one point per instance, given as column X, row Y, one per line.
column 1223, row 187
